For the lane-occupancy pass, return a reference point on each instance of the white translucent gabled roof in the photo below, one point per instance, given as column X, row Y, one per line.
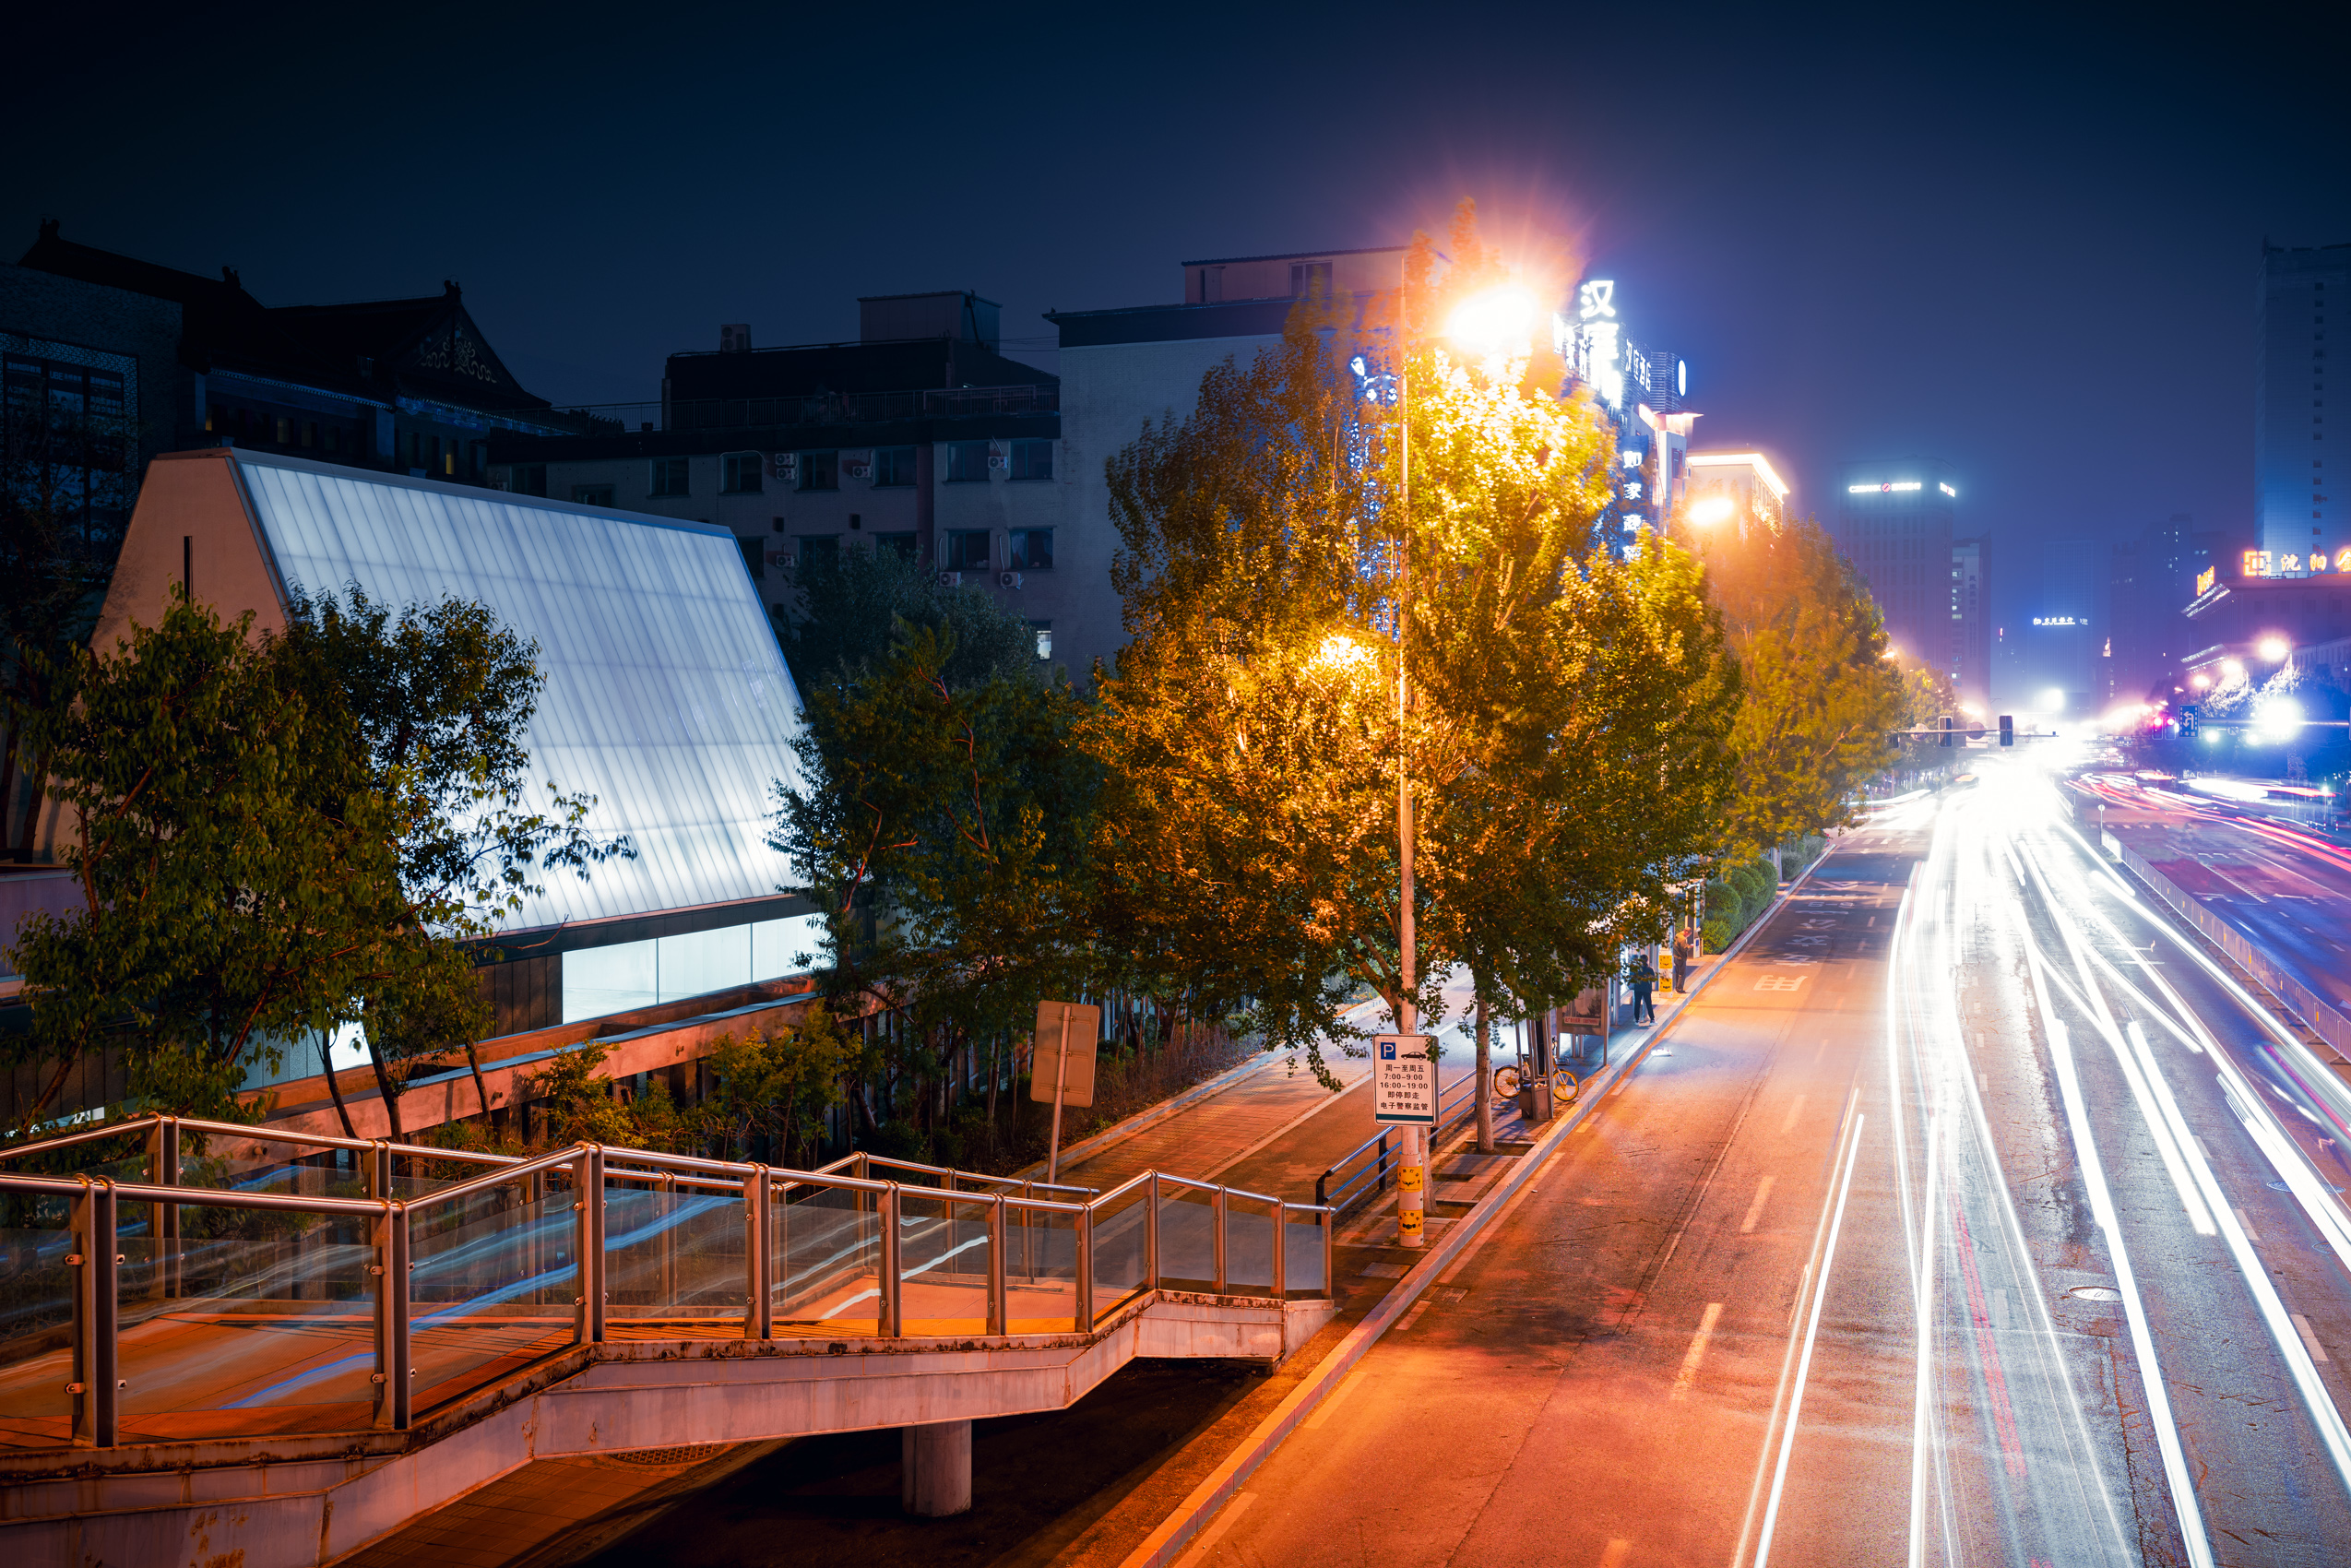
column 665, row 695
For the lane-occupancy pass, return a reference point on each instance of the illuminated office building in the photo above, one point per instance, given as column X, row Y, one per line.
column 2303, row 523
column 1741, row 488
column 1895, row 520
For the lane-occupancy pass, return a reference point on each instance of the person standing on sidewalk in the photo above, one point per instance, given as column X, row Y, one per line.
column 1640, row 977
column 1685, row 947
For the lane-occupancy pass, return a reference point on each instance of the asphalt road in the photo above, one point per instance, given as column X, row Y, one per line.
column 1933, row 1234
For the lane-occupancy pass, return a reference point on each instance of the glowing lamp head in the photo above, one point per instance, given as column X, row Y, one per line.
column 2200, row 680
column 1710, row 509
column 1339, row 654
column 1496, row 323
column 2232, row 669
column 2274, row 647
column 2053, row 700
column 2278, row 718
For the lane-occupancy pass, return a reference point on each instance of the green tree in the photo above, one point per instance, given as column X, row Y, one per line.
column 1563, row 736
column 943, row 828
column 1820, row 700
column 282, row 833
column 778, row 1087
column 237, row 870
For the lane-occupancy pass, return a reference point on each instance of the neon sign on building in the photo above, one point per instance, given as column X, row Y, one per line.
column 1889, row 486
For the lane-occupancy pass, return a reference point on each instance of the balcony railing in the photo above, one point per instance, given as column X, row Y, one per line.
column 251, row 1291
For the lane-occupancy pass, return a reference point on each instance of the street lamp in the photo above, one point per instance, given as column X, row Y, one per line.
column 2275, row 648
column 1710, row 509
column 1496, row 324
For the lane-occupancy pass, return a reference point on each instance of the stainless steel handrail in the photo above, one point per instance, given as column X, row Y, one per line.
column 95, row 1201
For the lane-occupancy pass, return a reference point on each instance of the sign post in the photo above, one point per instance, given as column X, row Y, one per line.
column 1073, row 1028
column 1404, row 1094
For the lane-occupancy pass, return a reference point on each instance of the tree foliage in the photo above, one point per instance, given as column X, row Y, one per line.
column 1820, row 700
column 280, row 833
column 1563, row 736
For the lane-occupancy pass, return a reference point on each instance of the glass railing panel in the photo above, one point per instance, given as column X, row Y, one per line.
column 827, row 1259
column 36, row 1325
column 942, row 1264
column 1040, row 1271
column 675, row 1255
column 1302, row 1253
column 1122, row 1251
column 1187, row 1238
column 493, row 1285
column 261, row 1322
column 1249, row 1245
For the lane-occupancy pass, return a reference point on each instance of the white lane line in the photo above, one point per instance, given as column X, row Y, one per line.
column 2166, row 1146
column 1795, row 1109
column 1414, row 1315
column 1756, row 1209
column 2143, row 1344
column 1226, row 1518
column 1689, row 1372
column 1804, row 1364
column 2318, row 1351
column 2250, row 1234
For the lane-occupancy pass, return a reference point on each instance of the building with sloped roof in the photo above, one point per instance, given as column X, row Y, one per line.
column 666, row 696
column 397, row 385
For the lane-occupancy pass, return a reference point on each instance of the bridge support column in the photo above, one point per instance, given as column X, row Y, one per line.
column 936, row 1469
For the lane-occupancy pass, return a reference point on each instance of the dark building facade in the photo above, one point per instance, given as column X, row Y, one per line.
column 1896, row 520
column 397, row 385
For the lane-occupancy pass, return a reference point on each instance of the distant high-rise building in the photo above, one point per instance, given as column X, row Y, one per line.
column 1896, row 523
column 2066, row 652
column 2302, row 522
column 1971, row 622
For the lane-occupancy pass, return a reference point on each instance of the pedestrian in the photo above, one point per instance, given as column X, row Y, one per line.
column 1685, row 947
column 1642, row 976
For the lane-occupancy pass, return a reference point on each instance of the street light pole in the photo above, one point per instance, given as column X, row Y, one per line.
column 1412, row 1184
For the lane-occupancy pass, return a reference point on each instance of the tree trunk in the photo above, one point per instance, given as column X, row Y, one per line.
column 481, row 1090
column 1485, row 1078
column 326, row 1060
column 391, row 1095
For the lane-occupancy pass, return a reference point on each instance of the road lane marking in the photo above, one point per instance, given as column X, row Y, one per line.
column 1689, row 1372
column 2135, row 1064
column 1615, row 1555
column 1756, row 1209
column 1804, row 1362
column 2302, row 1325
column 1414, row 1315
column 2250, row 1234
column 1794, row 1110
column 1226, row 1517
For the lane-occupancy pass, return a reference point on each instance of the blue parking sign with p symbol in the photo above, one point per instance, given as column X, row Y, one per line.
column 1388, row 1051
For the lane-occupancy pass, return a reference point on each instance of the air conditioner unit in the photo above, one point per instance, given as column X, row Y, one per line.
column 1008, row 579
column 951, row 579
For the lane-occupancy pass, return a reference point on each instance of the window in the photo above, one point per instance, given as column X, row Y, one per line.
column 666, row 477
column 334, row 437
column 966, row 550
column 529, row 478
column 967, row 461
column 285, row 431
column 820, row 470
column 1032, row 549
column 1044, row 630
column 904, row 543
column 819, row 550
column 310, row 433
column 892, row 466
column 1310, row 276
column 739, row 474
column 1032, row 459
column 592, row 494
column 755, row 556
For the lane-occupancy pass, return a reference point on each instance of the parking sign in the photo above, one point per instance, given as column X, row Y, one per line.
column 1403, row 1081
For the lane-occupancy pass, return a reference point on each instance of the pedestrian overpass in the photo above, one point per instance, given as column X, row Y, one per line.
column 223, row 1343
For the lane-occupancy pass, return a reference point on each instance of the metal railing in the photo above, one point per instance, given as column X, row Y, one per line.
column 1364, row 1171
column 193, row 1303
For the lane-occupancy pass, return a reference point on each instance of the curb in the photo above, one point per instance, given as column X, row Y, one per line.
column 1164, row 1544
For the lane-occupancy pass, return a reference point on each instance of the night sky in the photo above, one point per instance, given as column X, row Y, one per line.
column 2023, row 241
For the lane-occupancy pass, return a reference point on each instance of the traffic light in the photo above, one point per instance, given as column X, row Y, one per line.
column 2007, row 729
column 1945, row 741
column 2188, row 715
